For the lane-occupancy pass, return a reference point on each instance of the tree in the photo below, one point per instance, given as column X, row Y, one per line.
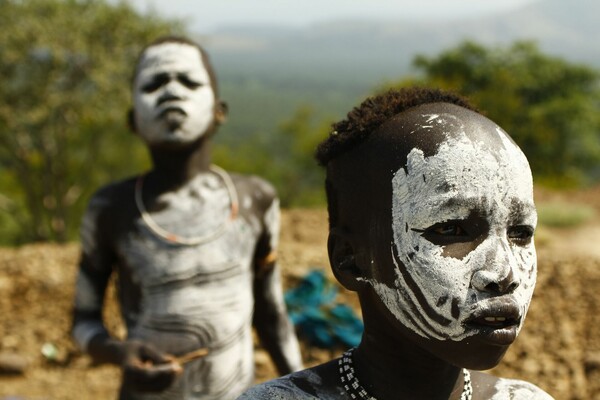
column 66, row 67
column 549, row 106
column 285, row 158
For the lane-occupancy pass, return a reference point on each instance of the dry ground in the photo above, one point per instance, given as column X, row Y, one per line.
column 559, row 348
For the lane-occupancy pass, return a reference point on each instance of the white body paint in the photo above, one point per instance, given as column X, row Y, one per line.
column 466, row 171
column 196, row 105
column 192, row 296
column 518, row 390
column 206, row 288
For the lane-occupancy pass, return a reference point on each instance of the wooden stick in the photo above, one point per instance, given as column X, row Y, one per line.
column 185, row 358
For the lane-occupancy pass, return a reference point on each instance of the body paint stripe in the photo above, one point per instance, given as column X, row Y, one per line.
column 434, row 316
column 418, row 318
column 224, row 272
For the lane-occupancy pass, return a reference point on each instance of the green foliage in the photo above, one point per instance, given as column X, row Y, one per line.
column 65, row 67
column 285, row 158
column 562, row 215
column 549, row 106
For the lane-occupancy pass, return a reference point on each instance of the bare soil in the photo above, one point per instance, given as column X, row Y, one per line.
column 558, row 349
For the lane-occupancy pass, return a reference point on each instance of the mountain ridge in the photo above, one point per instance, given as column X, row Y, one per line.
column 266, row 73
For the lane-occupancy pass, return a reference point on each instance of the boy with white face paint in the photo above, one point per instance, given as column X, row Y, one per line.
column 431, row 222
column 173, row 99
column 193, row 249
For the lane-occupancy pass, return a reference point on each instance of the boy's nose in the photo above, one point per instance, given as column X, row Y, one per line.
column 494, row 282
column 497, row 275
column 171, row 91
column 166, row 96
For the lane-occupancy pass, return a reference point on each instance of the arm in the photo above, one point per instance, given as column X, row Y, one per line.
column 271, row 321
column 95, row 269
column 137, row 359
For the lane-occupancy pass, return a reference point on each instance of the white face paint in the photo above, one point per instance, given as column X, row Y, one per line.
column 174, row 101
column 436, row 291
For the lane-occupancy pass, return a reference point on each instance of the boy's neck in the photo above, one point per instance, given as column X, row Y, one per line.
column 392, row 367
column 174, row 168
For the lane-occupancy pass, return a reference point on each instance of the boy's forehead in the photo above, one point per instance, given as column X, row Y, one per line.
column 170, row 55
column 428, row 126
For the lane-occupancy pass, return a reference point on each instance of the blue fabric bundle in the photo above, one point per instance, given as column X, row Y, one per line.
column 319, row 320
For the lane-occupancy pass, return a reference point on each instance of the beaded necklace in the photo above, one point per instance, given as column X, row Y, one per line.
column 356, row 391
column 196, row 240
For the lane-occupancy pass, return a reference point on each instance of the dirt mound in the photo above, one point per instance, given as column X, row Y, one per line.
column 559, row 348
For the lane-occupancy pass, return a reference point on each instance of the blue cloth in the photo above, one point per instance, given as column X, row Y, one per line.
column 319, row 319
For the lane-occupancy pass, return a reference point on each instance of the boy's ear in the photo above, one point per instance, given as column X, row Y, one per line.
column 221, row 112
column 131, row 120
column 343, row 257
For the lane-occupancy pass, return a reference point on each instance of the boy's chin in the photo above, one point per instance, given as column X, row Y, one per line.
column 468, row 353
column 175, row 140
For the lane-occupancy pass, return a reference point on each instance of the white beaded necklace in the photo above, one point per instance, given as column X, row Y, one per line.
column 173, row 238
column 356, row 391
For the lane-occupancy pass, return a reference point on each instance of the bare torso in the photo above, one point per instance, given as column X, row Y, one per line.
column 181, row 297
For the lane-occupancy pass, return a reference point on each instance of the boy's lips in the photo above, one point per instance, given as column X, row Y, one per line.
column 495, row 320
column 171, row 110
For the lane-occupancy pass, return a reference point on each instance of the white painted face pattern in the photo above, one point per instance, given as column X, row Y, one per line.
column 173, row 71
column 462, row 177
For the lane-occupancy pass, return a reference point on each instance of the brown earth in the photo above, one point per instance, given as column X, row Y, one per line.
column 558, row 349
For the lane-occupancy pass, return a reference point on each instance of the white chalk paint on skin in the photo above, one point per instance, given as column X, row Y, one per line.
column 197, row 103
column 489, row 181
column 195, row 209
column 516, row 389
column 273, row 222
column 200, row 295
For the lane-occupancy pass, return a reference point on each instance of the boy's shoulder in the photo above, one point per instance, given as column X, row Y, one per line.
column 261, row 192
column 496, row 388
column 113, row 194
column 320, row 382
column 257, row 183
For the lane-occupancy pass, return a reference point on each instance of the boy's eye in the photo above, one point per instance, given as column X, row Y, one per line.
column 151, row 87
column 448, row 230
column 155, row 83
column 461, row 230
column 520, row 234
column 189, row 83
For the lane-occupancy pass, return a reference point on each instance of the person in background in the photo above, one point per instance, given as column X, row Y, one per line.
column 193, row 247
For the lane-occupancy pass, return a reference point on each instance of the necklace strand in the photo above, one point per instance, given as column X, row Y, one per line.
column 192, row 241
column 356, row 391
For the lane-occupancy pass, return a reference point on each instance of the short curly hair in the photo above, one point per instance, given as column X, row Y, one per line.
column 374, row 111
column 365, row 119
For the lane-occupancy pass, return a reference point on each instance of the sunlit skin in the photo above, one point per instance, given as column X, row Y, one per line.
column 174, row 100
column 434, row 231
column 180, row 292
column 463, row 223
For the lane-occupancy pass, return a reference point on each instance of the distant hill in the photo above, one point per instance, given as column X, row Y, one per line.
column 267, row 72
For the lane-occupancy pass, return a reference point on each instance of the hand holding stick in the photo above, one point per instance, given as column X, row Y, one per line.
column 192, row 355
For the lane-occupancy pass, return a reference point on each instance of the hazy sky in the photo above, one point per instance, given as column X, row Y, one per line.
column 204, row 16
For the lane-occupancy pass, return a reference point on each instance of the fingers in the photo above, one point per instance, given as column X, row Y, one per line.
column 149, row 354
column 150, row 378
column 146, row 369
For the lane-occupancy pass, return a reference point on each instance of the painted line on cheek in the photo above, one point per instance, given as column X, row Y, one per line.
column 421, row 324
column 418, row 295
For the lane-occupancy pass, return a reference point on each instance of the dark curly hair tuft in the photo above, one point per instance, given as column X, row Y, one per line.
column 373, row 112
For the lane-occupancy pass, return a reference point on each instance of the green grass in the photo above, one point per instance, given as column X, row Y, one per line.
column 564, row 215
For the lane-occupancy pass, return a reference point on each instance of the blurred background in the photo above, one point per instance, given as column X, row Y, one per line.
column 288, row 69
